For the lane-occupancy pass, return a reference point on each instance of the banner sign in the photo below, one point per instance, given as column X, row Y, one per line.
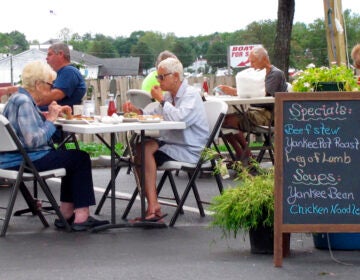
column 239, row 55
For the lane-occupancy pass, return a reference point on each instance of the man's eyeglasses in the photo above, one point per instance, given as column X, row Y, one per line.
column 162, row 77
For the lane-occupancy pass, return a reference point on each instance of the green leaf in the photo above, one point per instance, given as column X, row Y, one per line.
column 247, row 205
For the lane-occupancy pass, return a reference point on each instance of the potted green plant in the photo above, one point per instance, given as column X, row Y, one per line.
column 89, row 92
column 248, row 207
column 336, row 78
column 320, row 79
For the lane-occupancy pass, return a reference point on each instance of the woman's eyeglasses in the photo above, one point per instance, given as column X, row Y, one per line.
column 50, row 84
column 162, row 77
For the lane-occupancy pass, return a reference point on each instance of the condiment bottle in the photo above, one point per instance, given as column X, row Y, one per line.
column 205, row 87
column 111, row 106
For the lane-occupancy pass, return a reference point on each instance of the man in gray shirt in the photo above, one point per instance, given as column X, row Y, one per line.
column 274, row 82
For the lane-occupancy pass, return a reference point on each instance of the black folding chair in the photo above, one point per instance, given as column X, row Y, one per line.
column 65, row 138
column 9, row 142
column 263, row 132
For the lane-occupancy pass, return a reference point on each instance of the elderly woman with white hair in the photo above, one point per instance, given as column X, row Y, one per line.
column 35, row 129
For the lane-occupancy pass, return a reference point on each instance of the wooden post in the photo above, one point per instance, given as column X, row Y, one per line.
column 335, row 32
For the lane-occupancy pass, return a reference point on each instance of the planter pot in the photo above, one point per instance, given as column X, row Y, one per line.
column 262, row 240
column 337, row 241
column 329, row 86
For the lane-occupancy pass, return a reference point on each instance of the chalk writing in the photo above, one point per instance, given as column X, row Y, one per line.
column 308, row 129
column 321, row 179
column 299, row 112
column 314, row 209
column 321, row 144
column 331, row 193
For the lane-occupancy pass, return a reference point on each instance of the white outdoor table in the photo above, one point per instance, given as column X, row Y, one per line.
column 98, row 128
column 236, row 100
column 240, row 104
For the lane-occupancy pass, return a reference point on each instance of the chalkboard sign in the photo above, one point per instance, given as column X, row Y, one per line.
column 317, row 163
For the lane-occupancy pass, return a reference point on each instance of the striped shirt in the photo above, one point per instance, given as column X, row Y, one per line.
column 33, row 130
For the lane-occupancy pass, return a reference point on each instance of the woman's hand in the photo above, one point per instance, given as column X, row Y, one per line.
column 54, row 111
column 66, row 110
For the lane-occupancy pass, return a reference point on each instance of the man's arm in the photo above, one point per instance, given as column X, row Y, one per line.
column 228, row 90
column 8, row 90
column 54, row 95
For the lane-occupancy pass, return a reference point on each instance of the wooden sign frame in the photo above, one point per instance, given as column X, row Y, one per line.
column 281, row 228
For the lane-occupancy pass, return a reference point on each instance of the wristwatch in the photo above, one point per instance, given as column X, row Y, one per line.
column 162, row 102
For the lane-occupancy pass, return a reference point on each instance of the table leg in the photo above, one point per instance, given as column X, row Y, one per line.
column 142, row 180
column 112, row 178
column 140, row 224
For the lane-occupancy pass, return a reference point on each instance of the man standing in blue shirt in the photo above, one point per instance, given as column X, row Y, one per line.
column 69, row 87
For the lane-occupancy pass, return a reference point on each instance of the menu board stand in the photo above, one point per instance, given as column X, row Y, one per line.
column 317, row 159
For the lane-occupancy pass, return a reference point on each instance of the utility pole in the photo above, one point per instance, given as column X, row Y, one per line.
column 335, row 33
column 11, row 69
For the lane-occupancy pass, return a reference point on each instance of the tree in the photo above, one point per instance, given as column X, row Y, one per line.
column 307, row 43
column 123, row 45
column 262, row 32
column 147, row 57
column 301, row 54
column 184, row 53
column 13, row 42
column 317, row 45
column 157, row 41
column 102, row 47
column 286, row 10
column 79, row 43
column 5, row 42
column 64, row 34
column 19, row 40
column 352, row 23
column 217, row 55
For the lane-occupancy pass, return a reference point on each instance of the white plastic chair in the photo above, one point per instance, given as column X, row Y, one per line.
column 140, row 98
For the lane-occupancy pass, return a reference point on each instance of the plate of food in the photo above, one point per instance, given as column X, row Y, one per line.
column 131, row 117
column 76, row 119
column 114, row 119
column 150, row 118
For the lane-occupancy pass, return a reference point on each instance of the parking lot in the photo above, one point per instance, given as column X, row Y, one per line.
column 190, row 250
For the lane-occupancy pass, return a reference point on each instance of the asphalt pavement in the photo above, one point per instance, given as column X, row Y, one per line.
column 189, row 250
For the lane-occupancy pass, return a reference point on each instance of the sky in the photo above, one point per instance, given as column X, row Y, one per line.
column 43, row 19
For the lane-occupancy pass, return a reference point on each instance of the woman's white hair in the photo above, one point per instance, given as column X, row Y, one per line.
column 36, row 71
